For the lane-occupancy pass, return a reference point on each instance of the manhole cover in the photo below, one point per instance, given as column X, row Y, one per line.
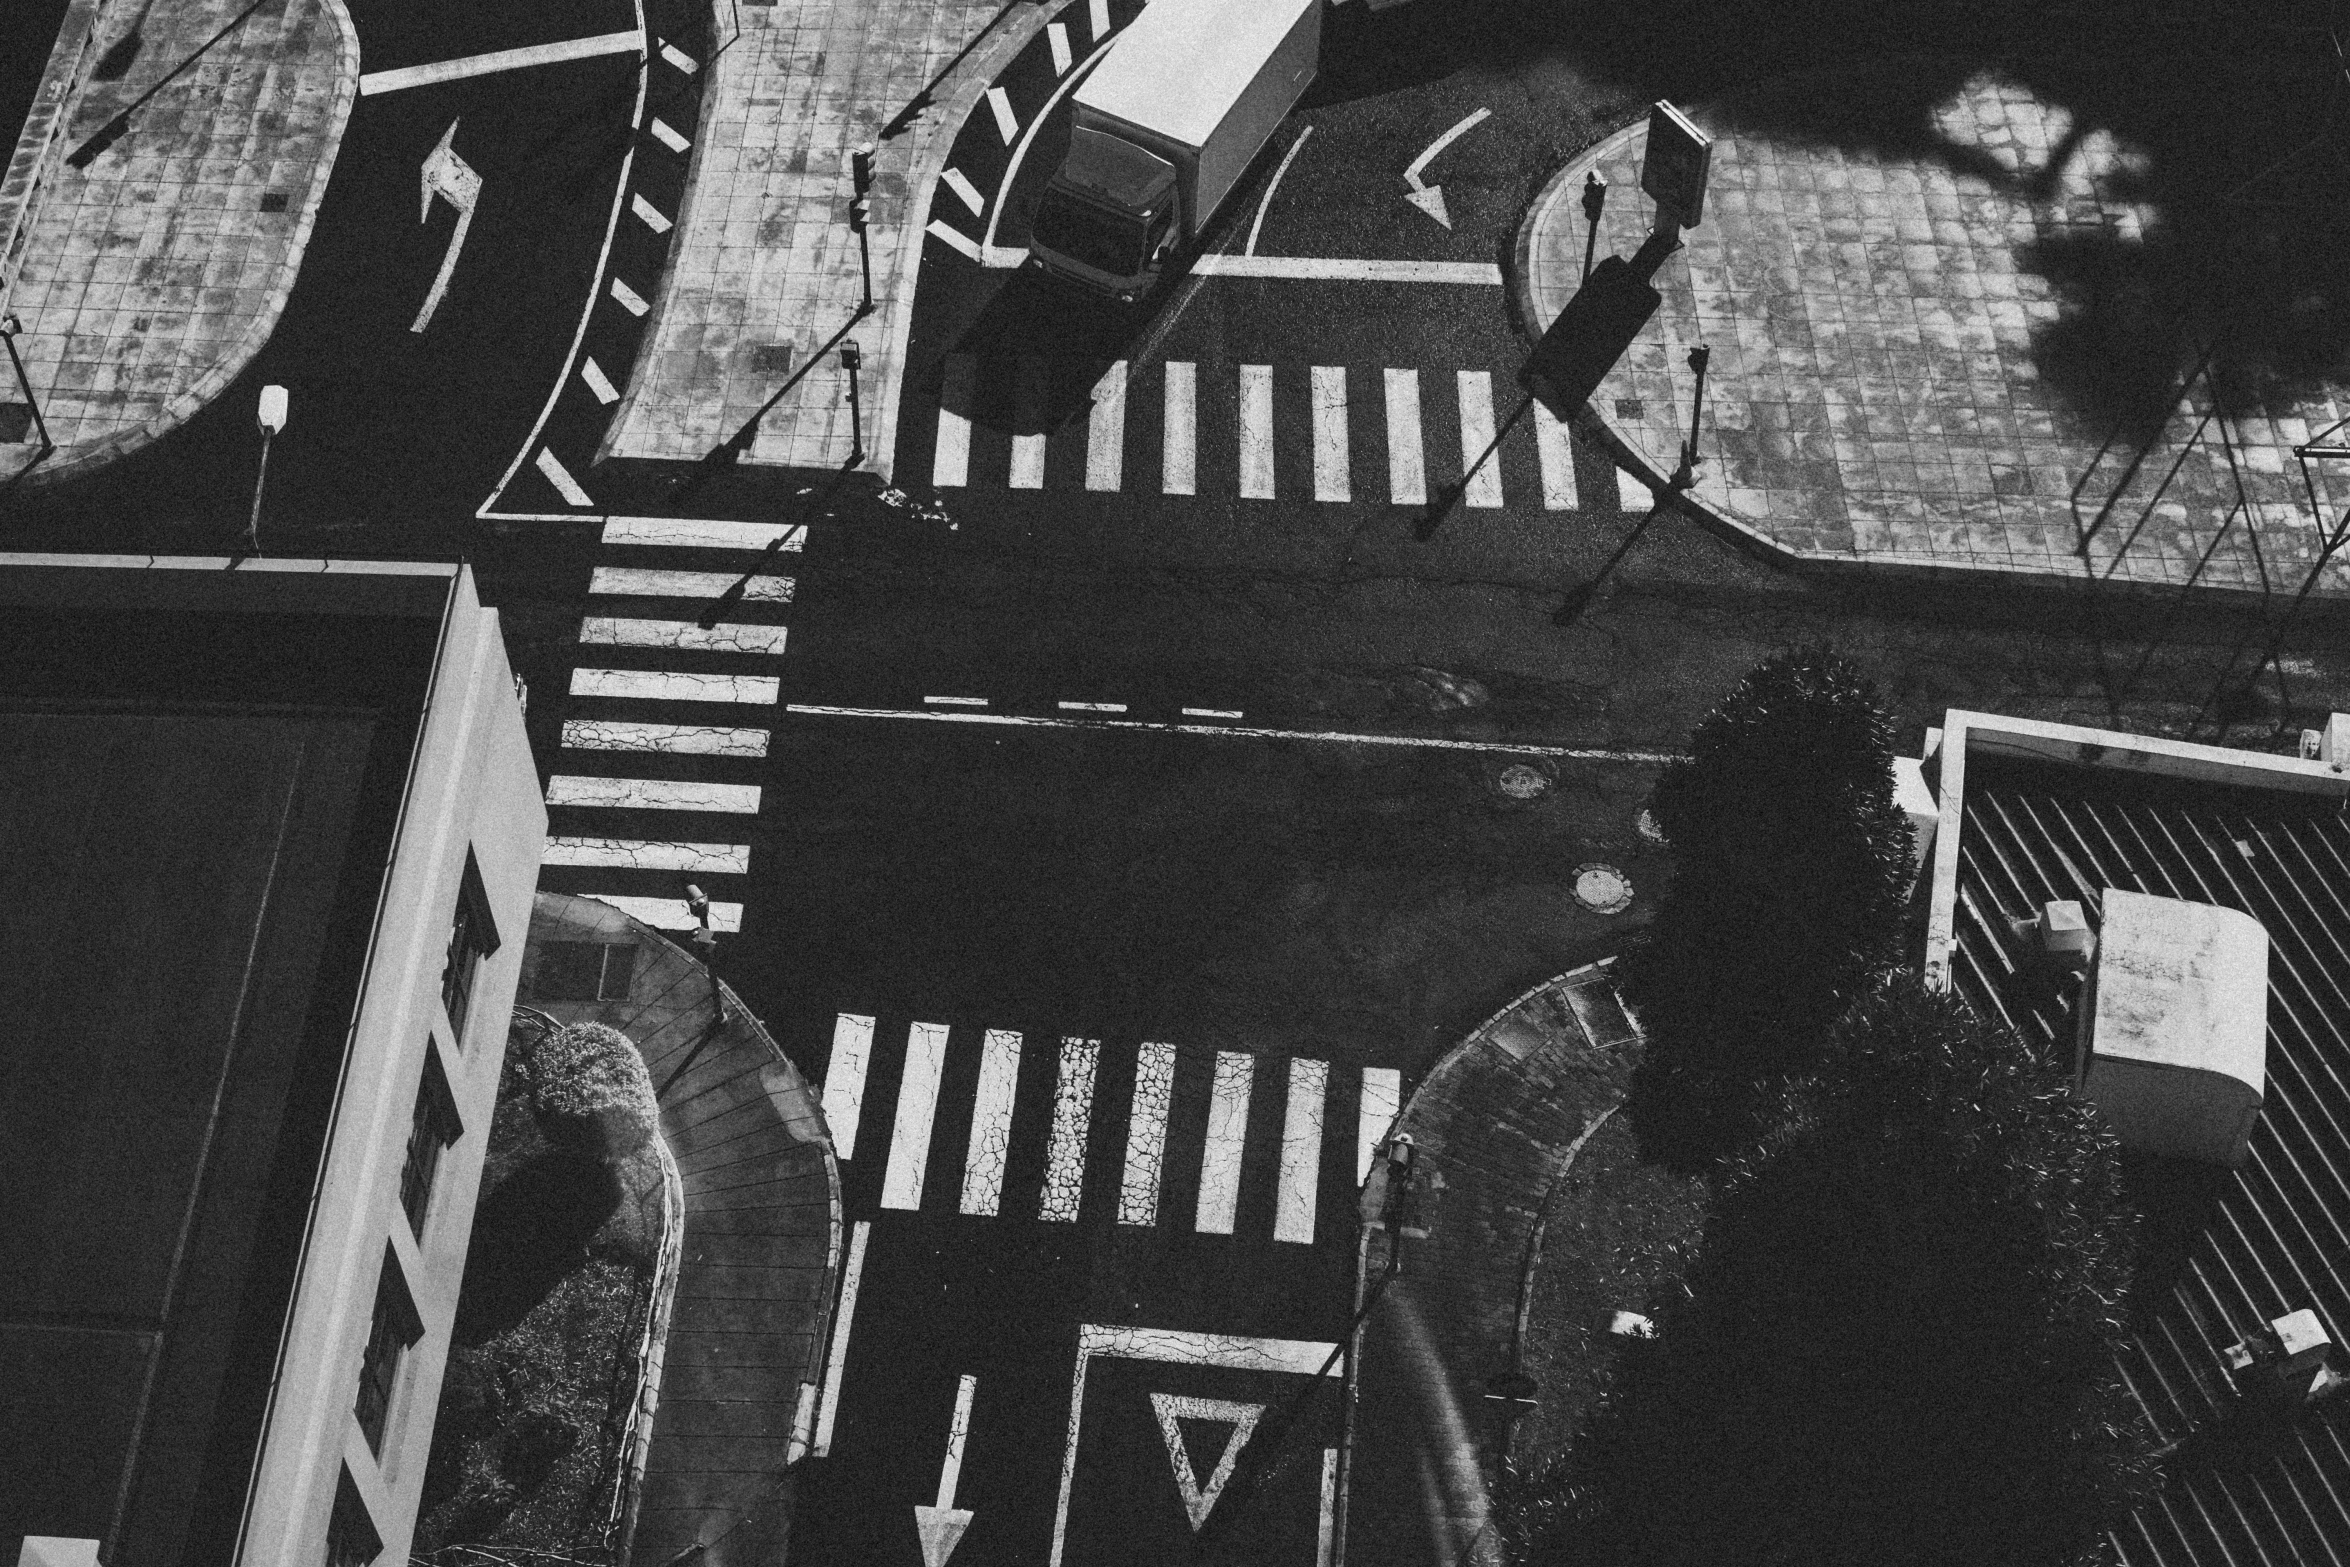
column 1603, row 889
column 1520, row 781
column 1645, row 825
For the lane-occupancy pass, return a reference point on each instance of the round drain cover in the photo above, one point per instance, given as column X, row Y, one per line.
column 1522, row 782
column 1603, row 889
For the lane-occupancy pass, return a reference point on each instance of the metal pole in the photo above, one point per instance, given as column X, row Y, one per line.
column 1594, row 202
column 260, row 479
column 9, row 327
column 1686, row 475
column 851, row 359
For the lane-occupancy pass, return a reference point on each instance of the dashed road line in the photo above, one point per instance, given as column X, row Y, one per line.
column 968, row 193
column 560, row 477
column 1058, row 37
column 630, row 300
column 1007, row 123
column 668, row 136
column 598, row 382
column 651, row 216
column 956, row 701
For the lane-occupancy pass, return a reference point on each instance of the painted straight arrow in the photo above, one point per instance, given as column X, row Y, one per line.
column 451, row 177
column 1430, row 198
column 941, row 1527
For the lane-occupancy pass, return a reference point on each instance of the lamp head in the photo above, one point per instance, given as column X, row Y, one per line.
column 273, row 409
column 851, row 356
column 1594, row 196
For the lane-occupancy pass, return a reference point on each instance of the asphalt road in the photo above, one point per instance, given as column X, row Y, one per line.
column 397, row 437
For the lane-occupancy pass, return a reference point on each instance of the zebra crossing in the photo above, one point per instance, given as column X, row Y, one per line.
column 1188, row 1128
column 664, row 674
column 1375, row 437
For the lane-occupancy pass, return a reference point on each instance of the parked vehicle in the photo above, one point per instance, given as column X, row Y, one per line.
column 1164, row 127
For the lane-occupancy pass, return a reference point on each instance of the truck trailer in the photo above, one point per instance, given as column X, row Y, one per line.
column 1163, row 129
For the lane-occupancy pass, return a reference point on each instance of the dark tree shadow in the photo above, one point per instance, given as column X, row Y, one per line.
column 2177, row 1201
column 530, row 1231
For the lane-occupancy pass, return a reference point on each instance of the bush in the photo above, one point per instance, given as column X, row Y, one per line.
column 1791, row 869
column 591, row 1094
column 1899, row 1344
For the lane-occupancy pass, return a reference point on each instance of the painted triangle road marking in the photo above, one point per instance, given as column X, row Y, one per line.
column 1198, row 1500
column 941, row 1529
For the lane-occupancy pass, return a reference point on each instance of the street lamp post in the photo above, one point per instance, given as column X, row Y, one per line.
column 1686, row 474
column 1594, row 202
column 860, row 216
column 272, row 418
column 9, row 327
column 852, row 359
column 705, row 944
column 1682, row 478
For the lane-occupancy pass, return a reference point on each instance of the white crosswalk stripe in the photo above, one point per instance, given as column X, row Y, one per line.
column 909, row 1141
column 1064, row 1176
column 1195, row 458
column 991, row 1123
column 1301, row 1151
column 1219, row 1172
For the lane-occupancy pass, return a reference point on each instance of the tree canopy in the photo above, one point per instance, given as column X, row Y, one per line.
column 1898, row 1346
column 1791, row 869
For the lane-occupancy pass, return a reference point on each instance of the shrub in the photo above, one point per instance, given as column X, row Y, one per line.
column 1791, row 867
column 590, row 1092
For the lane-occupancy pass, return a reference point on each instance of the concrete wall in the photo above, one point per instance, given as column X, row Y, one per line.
column 474, row 788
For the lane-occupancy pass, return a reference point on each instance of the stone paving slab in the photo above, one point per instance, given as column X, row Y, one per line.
column 1876, row 394
column 149, row 278
column 765, row 269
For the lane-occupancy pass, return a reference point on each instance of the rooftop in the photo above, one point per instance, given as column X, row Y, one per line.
column 2224, row 1251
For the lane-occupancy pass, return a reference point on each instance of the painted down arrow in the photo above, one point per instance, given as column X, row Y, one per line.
column 1430, row 198
column 941, row 1527
column 451, row 177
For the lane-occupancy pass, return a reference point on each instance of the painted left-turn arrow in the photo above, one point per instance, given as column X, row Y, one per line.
column 942, row 1526
column 1430, row 198
column 447, row 175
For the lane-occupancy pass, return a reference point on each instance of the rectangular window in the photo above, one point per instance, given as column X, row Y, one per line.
column 393, row 1328
column 351, row 1540
column 473, row 936
column 583, row 971
column 433, row 1127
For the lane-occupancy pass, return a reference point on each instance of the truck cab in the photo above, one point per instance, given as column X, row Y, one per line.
column 1110, row 215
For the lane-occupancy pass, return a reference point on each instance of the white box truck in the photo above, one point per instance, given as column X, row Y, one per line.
column 1164, row 127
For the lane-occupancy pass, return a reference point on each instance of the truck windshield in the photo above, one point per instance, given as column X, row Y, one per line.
column 1107, row 241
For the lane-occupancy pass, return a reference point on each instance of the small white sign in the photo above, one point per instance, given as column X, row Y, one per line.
column 1673, row 168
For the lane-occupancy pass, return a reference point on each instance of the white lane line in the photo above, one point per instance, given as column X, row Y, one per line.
column 598, row 382
column 688, row 584
column 669, row 685
column 650, row 215
column 1321, row 269
column 1558, row 460
column 679, row 58
column 1058, row 37
column 1631, row 494
column 1146, row 1135
column 649, row 854
column 955, row 237
column 1219, row 1170
column 950, row 1473
column 841, row 1322
column 1301, row 1151
column 1091, row 707
column 560, row 477
column 961, row 185
column 1407, row 468
column 844, row 1080
column 950, row 463
column 672, row 913
column 407, row 76
column 630, row 300
column 652, row 794
column 1331, row 481
column 1322, row 1530
column 610, row 734
column 1105, row 431
column 705, row 533
column 1249, row 732
column 1271, row 186
column 1064, row 1176
column 956, row 701
column 1029, row 390
column 682, row 636
column 1007, row 123
column 1177, row 454
column 991, row 1123
column 1213, row 712
column 1428, row 154
column 1476, row 398
column 1382, row 1098
column 909, row 1137
column 1256, row 432
column 668, row 136
column 1097, row 16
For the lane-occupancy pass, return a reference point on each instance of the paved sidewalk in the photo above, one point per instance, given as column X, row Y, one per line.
column 147, row 279
column 765, row 270
column 1900, row 376
column 1493, row 1124
column 737, row 1375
